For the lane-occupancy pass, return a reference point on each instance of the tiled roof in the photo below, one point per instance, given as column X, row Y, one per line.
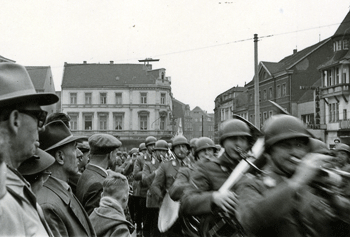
column 291, row 60
column 309, row 94
column 272, row 67
column 38, row 75
column 106, row 75
column 337, row 56
column 344, row 28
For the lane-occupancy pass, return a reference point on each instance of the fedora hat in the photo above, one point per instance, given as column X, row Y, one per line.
column 57, row 134
column 16, row 86
column 37, row 163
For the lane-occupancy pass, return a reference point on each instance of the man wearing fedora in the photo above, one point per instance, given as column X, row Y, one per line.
column 89, row 187
column 21, row 118
column 64, row 213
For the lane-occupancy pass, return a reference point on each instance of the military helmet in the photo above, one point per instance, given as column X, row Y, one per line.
column 204, row 143
column 193, row 142
column 142, row 147
column 150, row 140
column 133, row 151
column 233, row 128
column 180, row 140
column 281, row 127
column 161, row 145
column 342, row 147
column 318, row 146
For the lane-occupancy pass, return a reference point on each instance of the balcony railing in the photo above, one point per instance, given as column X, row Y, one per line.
column 340, row 89
column 344, row 124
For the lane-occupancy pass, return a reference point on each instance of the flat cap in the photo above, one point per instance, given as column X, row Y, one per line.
column 103, row 143
column 83, row 146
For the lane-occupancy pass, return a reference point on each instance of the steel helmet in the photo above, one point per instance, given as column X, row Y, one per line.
column 180, row 140
column 318, row 146
column 233, row 128
column 193, row 142
column 142, row 147
column 150, row 140
column 203, row 143
column 281, row 127
column 133, row 151
column 342, row 147
column 161, row 145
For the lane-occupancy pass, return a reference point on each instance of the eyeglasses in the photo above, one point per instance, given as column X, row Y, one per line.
column 40, row 115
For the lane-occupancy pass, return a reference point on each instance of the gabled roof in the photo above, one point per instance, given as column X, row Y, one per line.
column 232, row 89
column 291, row 60
column 344, row 27
column 106, row 75
column 271, row 67
column 38, row 75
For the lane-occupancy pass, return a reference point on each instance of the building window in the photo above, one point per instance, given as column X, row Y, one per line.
column 88, row 98
column 270, row 92
column 162, row 123
column 284, row 89
column 118, row 98
column 88, row 122
column 345, row 114
column 73, row 121
column 336, row 76
column 333, row 112
column 103, row 98
column 308, row 119
column 265, row 116
column 103, row 121
column 73, row 98
column 251, row 98
column 346, row 44
column 339, row 45
column 143, row 98
column 209, row 119
column 270, row 113
column 278, row 91
column 265, row 95
column 118, row 121
column 162, row 98
column 143, row 122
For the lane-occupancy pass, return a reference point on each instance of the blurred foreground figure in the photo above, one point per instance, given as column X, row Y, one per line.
column 109, row 218
column 289, row 198
column 21, row 118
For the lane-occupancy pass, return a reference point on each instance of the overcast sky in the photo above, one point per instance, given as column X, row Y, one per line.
column 205, row 46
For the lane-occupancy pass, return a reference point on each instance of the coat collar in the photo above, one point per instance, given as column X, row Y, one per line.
column 97, row 169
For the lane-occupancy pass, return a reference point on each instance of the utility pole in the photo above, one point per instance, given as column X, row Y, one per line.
column 256, row 83
column 202, row 126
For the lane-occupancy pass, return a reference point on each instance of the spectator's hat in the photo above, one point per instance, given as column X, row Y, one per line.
column 84, row 146
column 16, row 87
column 57, row 134
column 37, row 163
column 101, row 144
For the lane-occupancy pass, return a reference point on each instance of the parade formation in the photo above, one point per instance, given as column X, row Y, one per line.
column 54, row 183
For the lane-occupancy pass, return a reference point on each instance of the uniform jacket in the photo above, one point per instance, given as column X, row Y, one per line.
column 89, row 187
column 165, row 177
column 148, row 174
column 208, row 177
column 181, row 182
column 269, row 206
column 109, row 219
column 19, row 205
column 65, row 215
column 140, row 189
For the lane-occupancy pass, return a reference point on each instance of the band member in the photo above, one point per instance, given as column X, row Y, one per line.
column 204, row 149
column 139, row 190
column 203, row 197
column 153, row 202
column 166, row 174
column 191, row 155
column 282, row 201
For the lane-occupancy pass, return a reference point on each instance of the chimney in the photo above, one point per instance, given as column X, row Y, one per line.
column 84, row 62
column 111, row 62
column 295, row 51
